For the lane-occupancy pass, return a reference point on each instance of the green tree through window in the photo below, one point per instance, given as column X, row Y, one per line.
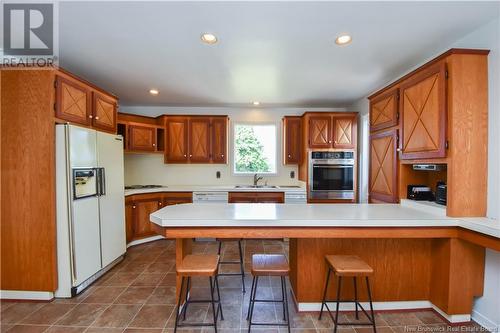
column 249, row 151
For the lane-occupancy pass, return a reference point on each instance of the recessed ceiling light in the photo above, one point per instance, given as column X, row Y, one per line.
column 154, row 92
column 208, row 38
column 256, row 103
column 344, row 39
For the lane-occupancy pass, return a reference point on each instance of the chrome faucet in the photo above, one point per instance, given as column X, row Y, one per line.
column 256, row 179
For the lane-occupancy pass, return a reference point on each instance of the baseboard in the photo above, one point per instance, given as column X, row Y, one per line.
column 26, row 295
column 485, row 321
column 144, row 240
column 455, row 318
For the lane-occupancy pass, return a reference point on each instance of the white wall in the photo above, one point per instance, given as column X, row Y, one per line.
column 486, row 308
column 150, row 169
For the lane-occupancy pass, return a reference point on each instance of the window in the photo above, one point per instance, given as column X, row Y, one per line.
column 254, row 148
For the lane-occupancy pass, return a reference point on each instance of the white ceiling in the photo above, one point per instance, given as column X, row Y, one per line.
column 279, row 53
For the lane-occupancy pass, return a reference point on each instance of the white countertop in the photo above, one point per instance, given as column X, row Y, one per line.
column 213, row 188
column 312, row 215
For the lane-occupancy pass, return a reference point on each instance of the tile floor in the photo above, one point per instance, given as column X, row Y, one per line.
column 138, row 295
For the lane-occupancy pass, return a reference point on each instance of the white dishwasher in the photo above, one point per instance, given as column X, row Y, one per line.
column 210, row 197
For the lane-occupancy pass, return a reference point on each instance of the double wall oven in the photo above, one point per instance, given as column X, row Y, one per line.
column 331, row 175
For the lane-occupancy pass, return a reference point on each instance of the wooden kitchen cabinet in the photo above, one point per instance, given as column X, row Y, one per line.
column 141, row 138
column 73, row 101
column 384, row 110
column 80, row 103
column 138, row 207
column 104, row 112
column 320, row 131
column 344, row 132
column 219, row 140
column 292, row 139
column 383, row 172
column 176, row 150
column 199, row 140
column 423, row 113
column 256, row 197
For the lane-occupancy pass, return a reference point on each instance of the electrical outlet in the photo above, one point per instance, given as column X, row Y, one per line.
column 292, row 174
column 217, row 174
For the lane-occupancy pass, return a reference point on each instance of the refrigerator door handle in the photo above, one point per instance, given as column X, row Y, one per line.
column 102, row 177
column 100, row 181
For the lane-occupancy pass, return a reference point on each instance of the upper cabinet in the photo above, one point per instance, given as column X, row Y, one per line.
column 292, row 139
column 177, row 139
column 142, row 138
column 384, row 110
column 423, row 114
column 332, row 130
column 79, row 103
column 196, row 139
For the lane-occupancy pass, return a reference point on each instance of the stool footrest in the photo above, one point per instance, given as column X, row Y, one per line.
column 269, row 324
column 269, row 300
column 229, row 262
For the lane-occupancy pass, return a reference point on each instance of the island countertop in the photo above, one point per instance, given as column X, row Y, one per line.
column 313, row 215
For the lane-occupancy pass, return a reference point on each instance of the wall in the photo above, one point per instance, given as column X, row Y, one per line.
column 150, row 169
column 486, row 308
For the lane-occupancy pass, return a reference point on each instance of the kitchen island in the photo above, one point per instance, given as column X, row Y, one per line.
column 421, row 259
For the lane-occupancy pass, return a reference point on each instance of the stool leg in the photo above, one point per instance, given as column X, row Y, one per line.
column 283, row 292
column 285, row 297
column 213, row 304
column 323, row 301
column 188, row 288
column 338, row 304
column 250, row 301
column 177, row 311
column 218, row 296
column 220, row 248
column 242, row 268
column 371, row 304
column 355, row 296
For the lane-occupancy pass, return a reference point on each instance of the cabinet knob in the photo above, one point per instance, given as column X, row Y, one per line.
column 190, row 155
column 90, row 116
column 289, row 156
column 160, row 203
column 330, row 141
column 96, row 118
column 133, row 206
column 154, row 144
column 222, row 155
column 185, row 155
column 335, row 141
column 398, row 149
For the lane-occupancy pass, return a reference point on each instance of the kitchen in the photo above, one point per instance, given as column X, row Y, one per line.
column 215, row 146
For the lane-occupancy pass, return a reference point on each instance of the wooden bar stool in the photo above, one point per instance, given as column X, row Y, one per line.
column 269, row 265
column 348, row 266
column 233, row 262
column 198, row 265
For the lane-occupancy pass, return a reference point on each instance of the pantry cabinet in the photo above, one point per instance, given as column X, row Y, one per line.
column 383, row 172
column 292, row 139
column 332, row 131
column 79, row 103
column 138, row 207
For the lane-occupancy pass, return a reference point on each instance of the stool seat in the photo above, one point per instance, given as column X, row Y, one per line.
column 348, row 265
column 199, row 265
column 228, row 239
column 270, row 264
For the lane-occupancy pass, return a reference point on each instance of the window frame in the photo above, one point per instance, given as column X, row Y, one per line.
column 277, row 128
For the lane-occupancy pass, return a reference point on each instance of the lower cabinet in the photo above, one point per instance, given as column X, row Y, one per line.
column 256, row 197
column 138, row 208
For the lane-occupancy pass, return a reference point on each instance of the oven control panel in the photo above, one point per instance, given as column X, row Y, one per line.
column 328, row 155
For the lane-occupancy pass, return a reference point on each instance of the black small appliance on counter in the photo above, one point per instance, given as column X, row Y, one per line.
column 441, row 190
column 420, row 193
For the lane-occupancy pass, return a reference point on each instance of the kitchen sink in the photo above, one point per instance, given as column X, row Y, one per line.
column 255, row 186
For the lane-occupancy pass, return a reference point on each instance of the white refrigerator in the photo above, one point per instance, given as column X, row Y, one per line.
column 90, row 206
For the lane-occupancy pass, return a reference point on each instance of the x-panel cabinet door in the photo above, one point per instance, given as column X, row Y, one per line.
column 344, row 132
column 383, row 185
column 320, row 132
column 199, row 140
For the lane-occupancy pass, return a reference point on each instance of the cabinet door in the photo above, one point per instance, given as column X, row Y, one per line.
column 241, row 197
column 73, row 101
column 142, row 210
column 177, row 140
column 199, row 140
column 270, row 197
column 104, row 112
column 177, row 198
column 293, row 140
column 423, row 114
column 320, row 132
column 219, row 140
column 384, row 110
column 384, row 166
column 344, row 132
column 129, row 221
column 142, row 138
